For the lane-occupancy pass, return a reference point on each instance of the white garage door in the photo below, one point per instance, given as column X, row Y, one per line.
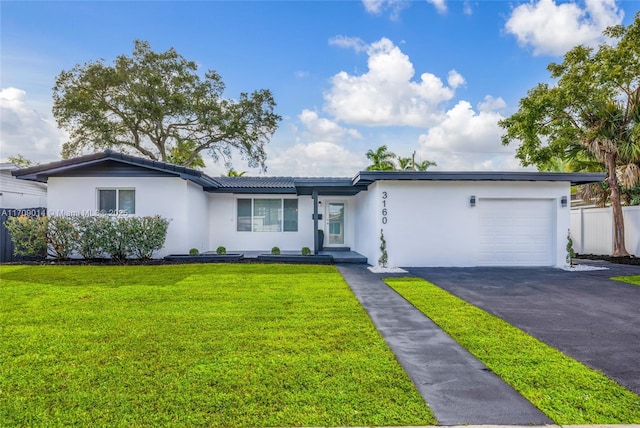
column 516, row 232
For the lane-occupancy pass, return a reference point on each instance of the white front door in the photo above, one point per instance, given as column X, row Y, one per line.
column 335, row 224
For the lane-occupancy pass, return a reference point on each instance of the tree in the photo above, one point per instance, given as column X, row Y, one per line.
column 593, row 110
column 156, row 104
column 409, row 164
column 381, row 159
column 424, row 165
column 406, row 164
column 233, row 173
column 20, row 161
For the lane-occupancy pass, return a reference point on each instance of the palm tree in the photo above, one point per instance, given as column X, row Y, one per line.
column 381, row 159
column 409, row 164
column 233, row 173
column 406, row 164
column 424, row 165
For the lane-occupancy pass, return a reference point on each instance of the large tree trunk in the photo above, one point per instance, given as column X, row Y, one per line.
column 619, row 247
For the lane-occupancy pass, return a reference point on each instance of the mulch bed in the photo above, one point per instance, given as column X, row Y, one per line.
column 631, row 260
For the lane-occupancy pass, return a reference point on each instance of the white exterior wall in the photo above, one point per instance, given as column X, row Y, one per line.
column 197, row 218
column 223, row 227
column 431, row 223
column 15, row 193
column 223, row 224
column 592, row 230
column 367, row 224
column 168, row 197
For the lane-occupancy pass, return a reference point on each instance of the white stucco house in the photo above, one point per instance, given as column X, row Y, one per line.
column 428, row 218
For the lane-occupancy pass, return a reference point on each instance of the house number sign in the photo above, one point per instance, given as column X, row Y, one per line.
column 385, row 209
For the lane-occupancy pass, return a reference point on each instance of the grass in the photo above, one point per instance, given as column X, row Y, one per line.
column 633, row 279
column 564, row 389
column 194, row 345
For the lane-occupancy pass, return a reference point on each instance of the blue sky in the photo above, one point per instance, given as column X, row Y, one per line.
column 432, row 77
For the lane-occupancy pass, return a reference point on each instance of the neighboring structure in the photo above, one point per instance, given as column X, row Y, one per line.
column 19, row 193
column 428, row 218
column 592, row 230
column 17, row 197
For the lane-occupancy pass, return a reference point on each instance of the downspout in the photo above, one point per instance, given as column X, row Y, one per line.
column 315, row 221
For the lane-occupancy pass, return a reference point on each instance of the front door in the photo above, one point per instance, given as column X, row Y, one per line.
column 335, row 224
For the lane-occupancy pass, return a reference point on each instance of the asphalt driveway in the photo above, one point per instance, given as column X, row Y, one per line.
column 583, row 314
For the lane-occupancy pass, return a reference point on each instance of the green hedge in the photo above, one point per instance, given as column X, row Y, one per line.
column 89, row 236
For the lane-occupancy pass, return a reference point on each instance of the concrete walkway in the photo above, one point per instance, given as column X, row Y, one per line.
column 457, row 387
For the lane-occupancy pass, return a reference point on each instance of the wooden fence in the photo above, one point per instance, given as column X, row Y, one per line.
column 592, row 230
column 6, row 244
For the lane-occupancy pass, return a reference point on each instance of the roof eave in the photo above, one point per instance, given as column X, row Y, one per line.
column 368, row 177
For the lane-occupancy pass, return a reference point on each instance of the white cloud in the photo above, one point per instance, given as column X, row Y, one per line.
column 321, row 158
column 440, row 5
column 321, row 129
column 355, row 43
column 24, row 130
column 553, row 29
column 469, row 140
column 491, row 103
column 386, row 94
column 373, row 6
column 466, row 8
column 455, row 79
column 376, row 7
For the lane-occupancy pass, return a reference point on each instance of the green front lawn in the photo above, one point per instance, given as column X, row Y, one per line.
column 194, row 345
column 564, row 389
column 633, row 279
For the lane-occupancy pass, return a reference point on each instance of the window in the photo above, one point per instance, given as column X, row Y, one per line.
column 117, row 201
column 267, row 215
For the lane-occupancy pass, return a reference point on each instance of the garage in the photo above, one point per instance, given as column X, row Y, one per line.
column 516, row 232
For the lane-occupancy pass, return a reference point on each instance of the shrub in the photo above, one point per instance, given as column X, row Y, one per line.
column 306, row 251
column 90, row 230
column 29, row 235
column 275, row 251
column 62, row 236
column 91, row 237
column 194, row 252
column 570, row 252
column 144, row 235
column 113, row 239
column 221, row 251
column 384, row 257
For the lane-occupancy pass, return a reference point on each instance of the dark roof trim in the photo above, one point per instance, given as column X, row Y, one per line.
column 252, row 190
column 327, row 186
column 368, row 177
column 42, row 172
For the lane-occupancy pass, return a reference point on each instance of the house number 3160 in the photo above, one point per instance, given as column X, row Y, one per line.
column 385, row 209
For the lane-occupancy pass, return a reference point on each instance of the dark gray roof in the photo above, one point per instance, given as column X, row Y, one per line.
column 255, row 185
column 334, row 186
column 112, row 163
column 65, row 167
column 368, row 177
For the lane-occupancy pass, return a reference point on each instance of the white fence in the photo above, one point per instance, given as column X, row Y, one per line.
column 592, row 230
